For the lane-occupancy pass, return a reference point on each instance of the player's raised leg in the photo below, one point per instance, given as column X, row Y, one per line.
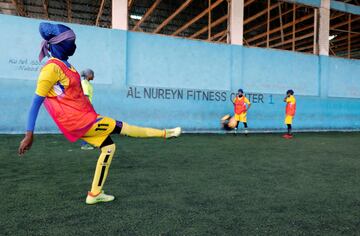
column 144, row 132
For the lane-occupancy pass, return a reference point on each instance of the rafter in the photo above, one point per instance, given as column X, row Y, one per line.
column 346, row 31
column 271, row 20
column 147, row 14
column 221, row 38
column 101, row 9
column 290, row 33
column 248, row 3
column 302, row 43
column 305, row 48
column 130, row 3
column 46, row 8
column 268, row 23
column 291, row 40
column 224, row 32
column 281, row 23
column 19, row 6
column 209, row 21
column 263, row 12
column 344, row 46
column 286, row 35
column 165, row 22
column 304, row 18
column 134, row 22
column 293, row 28
column 332, row 27
column 68, row 2
column 184, row 27
column 213, row 24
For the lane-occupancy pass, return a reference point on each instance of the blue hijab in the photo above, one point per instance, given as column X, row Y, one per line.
column 61, row 50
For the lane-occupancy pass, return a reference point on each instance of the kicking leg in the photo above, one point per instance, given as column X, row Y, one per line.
column 143, row 132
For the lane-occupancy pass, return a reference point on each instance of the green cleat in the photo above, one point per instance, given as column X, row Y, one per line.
column 101, row 197
column 172, row 133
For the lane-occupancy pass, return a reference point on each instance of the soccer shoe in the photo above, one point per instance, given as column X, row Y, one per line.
column 172, row 133
column 235, row 131
column 288, row 136
column 101, row 197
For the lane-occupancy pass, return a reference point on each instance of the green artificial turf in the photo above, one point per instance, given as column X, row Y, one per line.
column 192, row 185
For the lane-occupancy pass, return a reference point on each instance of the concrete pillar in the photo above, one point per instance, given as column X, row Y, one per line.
column 119, row 14
column 324, row 27
column 236, row 22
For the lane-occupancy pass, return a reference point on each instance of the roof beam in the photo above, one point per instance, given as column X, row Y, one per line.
column 46, row 8
column 134, row 22
column 130, row 3
column 19, row 7
column 272, row 19
column 147, row 14
column 68, row 3
column 281, row 24
column 209, row 21
column 344, row 47
column 291, row 40
column 165, row 22
column 343, row 23
column 248, row 3
column 345, row 31
column 302, row 43
column 251, row 18
column 213, row 24
column 224, row 32
column 288, row 34
column 304, row 18
column 221, row 38
column 101, row 9
column 184, row 27
column 305, row 47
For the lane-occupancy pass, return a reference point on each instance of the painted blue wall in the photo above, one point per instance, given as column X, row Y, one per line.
column 164, row 81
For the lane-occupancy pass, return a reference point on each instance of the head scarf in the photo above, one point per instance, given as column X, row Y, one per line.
column 58, row 39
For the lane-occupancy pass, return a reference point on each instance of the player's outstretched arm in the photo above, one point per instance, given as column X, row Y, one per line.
column 248, row 106
column 26, row 143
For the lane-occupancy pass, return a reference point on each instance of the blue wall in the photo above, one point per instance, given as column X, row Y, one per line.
column 163, row 81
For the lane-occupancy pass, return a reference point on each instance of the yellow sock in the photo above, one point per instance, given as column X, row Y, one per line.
column 141, row 132
column 102, row 168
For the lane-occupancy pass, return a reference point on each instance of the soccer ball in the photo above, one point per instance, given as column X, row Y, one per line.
column 228, row 122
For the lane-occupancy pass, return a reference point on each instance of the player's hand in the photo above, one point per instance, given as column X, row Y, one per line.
column 26, row 143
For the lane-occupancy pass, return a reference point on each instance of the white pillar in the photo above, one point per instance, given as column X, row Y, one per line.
column 236, row 22
column 119, row 14
column 324, row 27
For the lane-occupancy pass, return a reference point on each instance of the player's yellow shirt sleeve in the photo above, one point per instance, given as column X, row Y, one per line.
column 50, row 75
column 290, row 99
column 246, row 100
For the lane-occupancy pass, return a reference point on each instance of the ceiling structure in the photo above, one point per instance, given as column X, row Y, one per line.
column 267, row 23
